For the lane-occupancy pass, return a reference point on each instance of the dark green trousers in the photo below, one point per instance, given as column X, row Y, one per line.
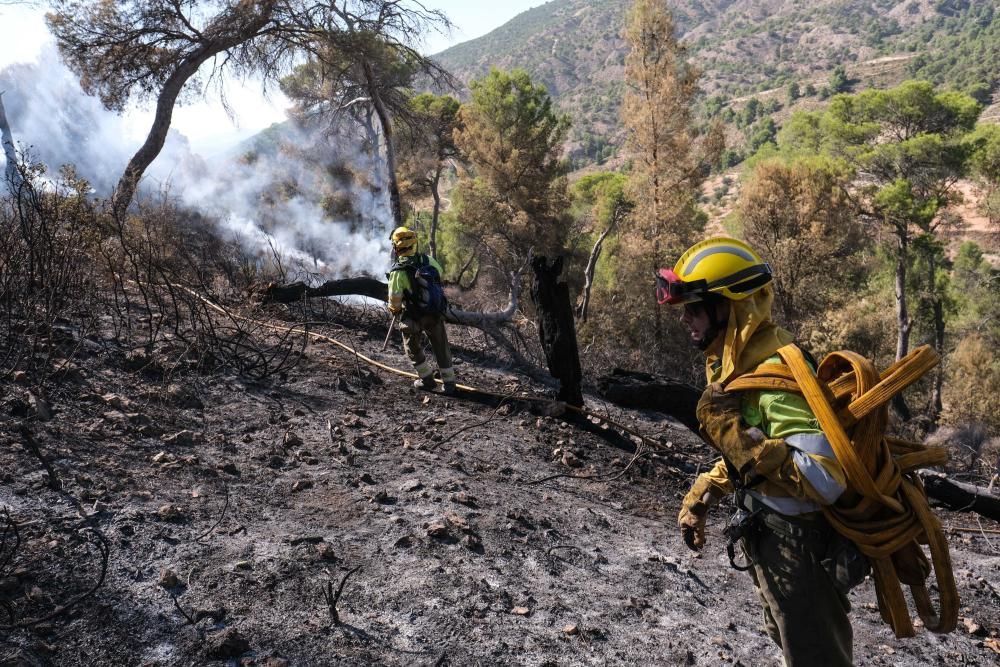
column 413, row 329
column 805, row 612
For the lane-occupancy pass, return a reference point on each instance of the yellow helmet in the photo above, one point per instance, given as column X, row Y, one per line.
column 404, row 241
column 723, row 266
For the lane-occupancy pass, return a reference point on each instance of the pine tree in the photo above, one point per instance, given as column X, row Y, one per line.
column 669, row 160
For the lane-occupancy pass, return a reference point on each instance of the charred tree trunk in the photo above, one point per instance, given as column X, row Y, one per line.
column 631, row 389
column 960, row 497
column 556, row 329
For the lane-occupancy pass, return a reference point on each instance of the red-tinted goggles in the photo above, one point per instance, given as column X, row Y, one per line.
column 672, row 290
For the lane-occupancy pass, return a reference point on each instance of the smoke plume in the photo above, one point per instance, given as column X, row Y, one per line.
column 313, row 196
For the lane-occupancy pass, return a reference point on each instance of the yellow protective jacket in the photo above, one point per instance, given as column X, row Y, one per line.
column 799, row 468
column 400, row 283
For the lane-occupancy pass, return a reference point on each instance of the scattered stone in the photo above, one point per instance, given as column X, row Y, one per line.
column 463, row 498
column 274, row 661
column 472, row 543
column 438, row 530
column 299, row 412
column 276, row 461
column 227, row 644
column 571, row 629
column 216, row 615
column 405, row 542
column 229, row 468
column 359, row 443
column 366, row 479
column 243, row 565
column 20, row 377
column 570, row 459
column 170, row 513
column 974, row 628
column 520, row 611
column 168, row 579
column 302, row 485
column 325, row 552
column 163, row 457
column 306, row 539
column 407, row 469
column 440, row 420
column 412, row 485
column 291, row 440
column 456, row 521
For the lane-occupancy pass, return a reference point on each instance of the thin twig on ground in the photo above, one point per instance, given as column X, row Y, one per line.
column 181, row 610
column 604, row 478
column 105, row 550
column 221, row 517
column 332, row 598
column 472, row 426
column 54, row 482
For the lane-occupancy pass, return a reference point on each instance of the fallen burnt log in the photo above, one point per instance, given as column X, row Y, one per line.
column 962, row 497
column 363, row 286
column 376, row 289
column 631, row 389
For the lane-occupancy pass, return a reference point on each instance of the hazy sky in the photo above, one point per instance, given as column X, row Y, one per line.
column 23, row 33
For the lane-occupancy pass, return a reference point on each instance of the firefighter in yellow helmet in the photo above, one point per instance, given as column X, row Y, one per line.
column 775, row 459
column 416, row 296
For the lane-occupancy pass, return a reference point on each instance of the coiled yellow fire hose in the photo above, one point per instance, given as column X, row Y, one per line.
column 885, row 510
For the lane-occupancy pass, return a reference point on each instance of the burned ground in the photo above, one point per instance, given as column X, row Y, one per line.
column 233, row 509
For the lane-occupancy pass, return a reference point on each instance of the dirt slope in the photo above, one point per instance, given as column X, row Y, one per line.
column 463, row 559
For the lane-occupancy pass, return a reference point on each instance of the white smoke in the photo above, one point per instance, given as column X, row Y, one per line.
column 272, row 202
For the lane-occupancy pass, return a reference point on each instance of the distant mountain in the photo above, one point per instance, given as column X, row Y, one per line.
column 744, row 47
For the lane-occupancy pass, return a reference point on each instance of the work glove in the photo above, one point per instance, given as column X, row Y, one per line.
column 722, row 425
column 694, row 509
column 691, row 521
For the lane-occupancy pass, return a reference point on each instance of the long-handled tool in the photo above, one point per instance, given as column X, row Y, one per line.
column 392, row 324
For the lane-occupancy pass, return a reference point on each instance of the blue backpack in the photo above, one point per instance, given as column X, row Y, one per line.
column 427, row 294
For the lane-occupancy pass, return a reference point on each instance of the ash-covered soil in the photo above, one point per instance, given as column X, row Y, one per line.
column 234, row 511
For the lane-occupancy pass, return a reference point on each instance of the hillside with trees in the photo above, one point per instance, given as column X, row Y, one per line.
column 778, row 51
